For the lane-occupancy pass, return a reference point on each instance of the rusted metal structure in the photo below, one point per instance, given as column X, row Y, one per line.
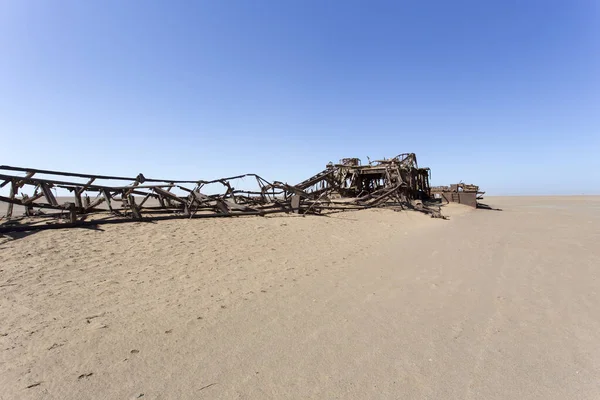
column 95, row 199
column 399, row 178
column 458, row 193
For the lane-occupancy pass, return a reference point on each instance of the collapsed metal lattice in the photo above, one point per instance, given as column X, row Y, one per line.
column 397, row 182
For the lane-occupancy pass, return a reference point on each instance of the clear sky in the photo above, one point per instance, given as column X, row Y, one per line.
column 505, row 94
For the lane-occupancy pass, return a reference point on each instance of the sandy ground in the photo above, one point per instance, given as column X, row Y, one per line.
column 363, row 305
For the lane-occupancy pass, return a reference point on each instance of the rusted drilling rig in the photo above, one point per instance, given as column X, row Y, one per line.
column 95, row 199
column 399, row 178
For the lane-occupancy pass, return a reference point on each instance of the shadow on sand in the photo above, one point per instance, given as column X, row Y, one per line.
column 482, row 206
column 10, row 236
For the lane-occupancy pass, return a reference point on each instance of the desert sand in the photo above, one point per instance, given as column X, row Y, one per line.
column 359, row 305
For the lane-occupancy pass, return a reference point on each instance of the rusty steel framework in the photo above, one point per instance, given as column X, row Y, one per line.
column 94, row 199
column 399, row 178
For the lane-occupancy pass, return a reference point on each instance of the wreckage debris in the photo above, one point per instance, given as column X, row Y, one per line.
column 396, row 183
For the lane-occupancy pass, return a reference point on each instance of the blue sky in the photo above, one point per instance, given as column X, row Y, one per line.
column 504, row 94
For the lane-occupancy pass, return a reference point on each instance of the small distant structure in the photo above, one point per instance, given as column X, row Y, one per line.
column 398, row 183
column 461, row 193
